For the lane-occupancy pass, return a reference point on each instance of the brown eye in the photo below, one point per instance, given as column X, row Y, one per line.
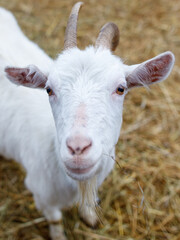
column 49, row 91
column 120, row 90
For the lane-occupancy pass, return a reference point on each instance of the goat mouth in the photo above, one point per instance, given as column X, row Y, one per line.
column 79, row 170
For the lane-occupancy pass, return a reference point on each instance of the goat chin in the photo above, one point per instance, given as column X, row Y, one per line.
column 87, row 201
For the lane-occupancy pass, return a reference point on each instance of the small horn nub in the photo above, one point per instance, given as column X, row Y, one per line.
column 71, row 29
column 108, row 37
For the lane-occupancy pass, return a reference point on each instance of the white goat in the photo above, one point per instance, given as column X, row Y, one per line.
column 66, row 148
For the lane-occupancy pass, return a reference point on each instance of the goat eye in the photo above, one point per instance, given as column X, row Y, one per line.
column 49, row 91
column 120, row 90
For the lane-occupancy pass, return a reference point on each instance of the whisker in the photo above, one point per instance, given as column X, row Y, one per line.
column 113, row 159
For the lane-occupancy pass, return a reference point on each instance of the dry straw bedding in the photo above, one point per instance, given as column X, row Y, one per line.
column 141, row 197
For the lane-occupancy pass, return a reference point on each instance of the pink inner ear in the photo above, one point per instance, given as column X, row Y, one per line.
column 29, row 77
column 152, row 71
column 158, row 68
column 16, row 72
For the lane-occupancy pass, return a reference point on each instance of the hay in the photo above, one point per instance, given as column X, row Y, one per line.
column 140, row 200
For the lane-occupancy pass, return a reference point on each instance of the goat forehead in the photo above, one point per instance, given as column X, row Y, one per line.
column 89, row 67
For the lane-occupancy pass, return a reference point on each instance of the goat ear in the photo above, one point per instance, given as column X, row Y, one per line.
column 30, row 76
column 152, row 71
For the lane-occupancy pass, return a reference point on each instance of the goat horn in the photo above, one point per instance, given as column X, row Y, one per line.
column 71, row 29
column 108, row 36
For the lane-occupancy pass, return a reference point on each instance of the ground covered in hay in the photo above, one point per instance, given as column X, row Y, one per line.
column 141, row 197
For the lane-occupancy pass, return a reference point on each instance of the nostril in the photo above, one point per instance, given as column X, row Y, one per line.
column 71, row 150
column 78, row 145
column 86, row 147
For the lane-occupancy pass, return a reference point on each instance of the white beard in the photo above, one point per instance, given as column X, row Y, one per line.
column 87, row 201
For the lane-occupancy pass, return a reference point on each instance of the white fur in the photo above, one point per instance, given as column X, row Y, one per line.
column 36, row 138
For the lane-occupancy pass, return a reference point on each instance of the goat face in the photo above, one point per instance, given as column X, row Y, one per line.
column 87, row 107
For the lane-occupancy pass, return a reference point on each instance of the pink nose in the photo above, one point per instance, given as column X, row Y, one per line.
column 78, row 145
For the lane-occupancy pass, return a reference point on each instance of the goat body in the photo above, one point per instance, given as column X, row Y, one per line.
column 66, row 147
column 27, row 129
